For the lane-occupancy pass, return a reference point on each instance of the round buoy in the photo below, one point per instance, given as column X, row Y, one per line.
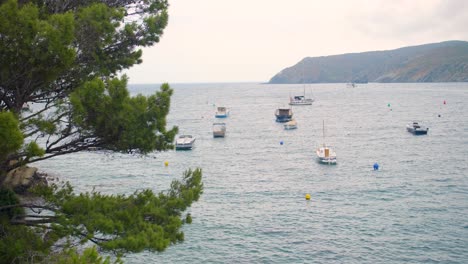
column 281, row 142
column 388, row 104
column 439, row 115
column 376, row 166
column 166, row 163
column 307, row 196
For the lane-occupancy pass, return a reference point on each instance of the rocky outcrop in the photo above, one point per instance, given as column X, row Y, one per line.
column 23, row 178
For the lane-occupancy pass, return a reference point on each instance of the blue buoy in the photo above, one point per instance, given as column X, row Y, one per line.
column 376, row 166
column 281, row 142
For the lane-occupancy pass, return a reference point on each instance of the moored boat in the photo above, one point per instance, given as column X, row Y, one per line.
column 417, row 129
column 283, row 115
column 325, row 153
column 219, row 129
column 290, row 125
column 222, row 112
column 184, row 142
column 300, row 100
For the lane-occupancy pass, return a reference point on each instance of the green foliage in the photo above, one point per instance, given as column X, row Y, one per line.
column 142, row 221
column 89, row 256
column 65, row 57
column 62, row 59
column 8, row 197
column 11, row 137
column 33, row 150
column 35, row 47
column 120, row 122
column 119, row 223
column 21, row 244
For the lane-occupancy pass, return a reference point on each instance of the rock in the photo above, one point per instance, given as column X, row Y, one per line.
column 21, row 179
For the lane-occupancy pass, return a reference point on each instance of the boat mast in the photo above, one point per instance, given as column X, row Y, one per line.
column 323, row 131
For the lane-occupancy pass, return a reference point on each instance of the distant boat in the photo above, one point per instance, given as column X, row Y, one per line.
column 416, row 129
column 351, row 85
column 219, row 129
column 184, row 142
column 222, row 112
column 325, row 153
column 283, row 115
column 290, row 125
column 300, row 100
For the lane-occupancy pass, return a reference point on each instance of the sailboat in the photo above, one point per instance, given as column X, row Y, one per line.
column 325, row 153
column 300, row 100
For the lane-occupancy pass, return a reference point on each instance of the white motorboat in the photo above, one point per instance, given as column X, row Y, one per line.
column 222, row 112
column 219, row 129
column 416, row 129
column 290, row 125
column 184, row 142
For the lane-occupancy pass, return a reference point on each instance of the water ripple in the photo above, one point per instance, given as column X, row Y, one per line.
column 413, row 210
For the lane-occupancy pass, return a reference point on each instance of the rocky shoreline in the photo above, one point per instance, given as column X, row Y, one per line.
column 20, row 180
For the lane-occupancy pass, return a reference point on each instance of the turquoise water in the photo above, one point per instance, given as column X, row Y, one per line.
column 253, row 210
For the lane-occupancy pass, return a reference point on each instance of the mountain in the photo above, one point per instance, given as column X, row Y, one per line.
column 435, row 62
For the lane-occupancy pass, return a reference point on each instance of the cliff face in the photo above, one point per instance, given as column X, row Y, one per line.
column 437, row 62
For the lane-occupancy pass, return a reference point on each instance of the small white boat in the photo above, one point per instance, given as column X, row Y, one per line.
column 300, row 100
column 184, row 142
column 290, row 125
column 222, row 112
column 416, row 129
column 325, row 153
column 219, row 129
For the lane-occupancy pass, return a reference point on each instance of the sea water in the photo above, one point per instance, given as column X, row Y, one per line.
column 414, row 209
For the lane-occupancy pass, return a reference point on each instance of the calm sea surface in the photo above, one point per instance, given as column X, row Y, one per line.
column 253, row 210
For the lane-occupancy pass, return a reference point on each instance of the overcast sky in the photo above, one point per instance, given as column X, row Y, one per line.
column 252, row 40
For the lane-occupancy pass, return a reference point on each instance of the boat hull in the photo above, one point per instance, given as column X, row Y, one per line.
column 417, row 132
column 283, row 119
column 286, row 127
column 184, row 147
column 327, row 161
column 300, row 103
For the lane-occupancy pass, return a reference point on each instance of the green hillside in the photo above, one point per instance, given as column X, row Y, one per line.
column 436, row 62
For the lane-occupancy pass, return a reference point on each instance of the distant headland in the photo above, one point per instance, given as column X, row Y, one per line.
column 436, row 62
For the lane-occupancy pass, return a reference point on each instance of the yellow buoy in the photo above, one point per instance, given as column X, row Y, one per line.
column 166, row 163
column 307, row 196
